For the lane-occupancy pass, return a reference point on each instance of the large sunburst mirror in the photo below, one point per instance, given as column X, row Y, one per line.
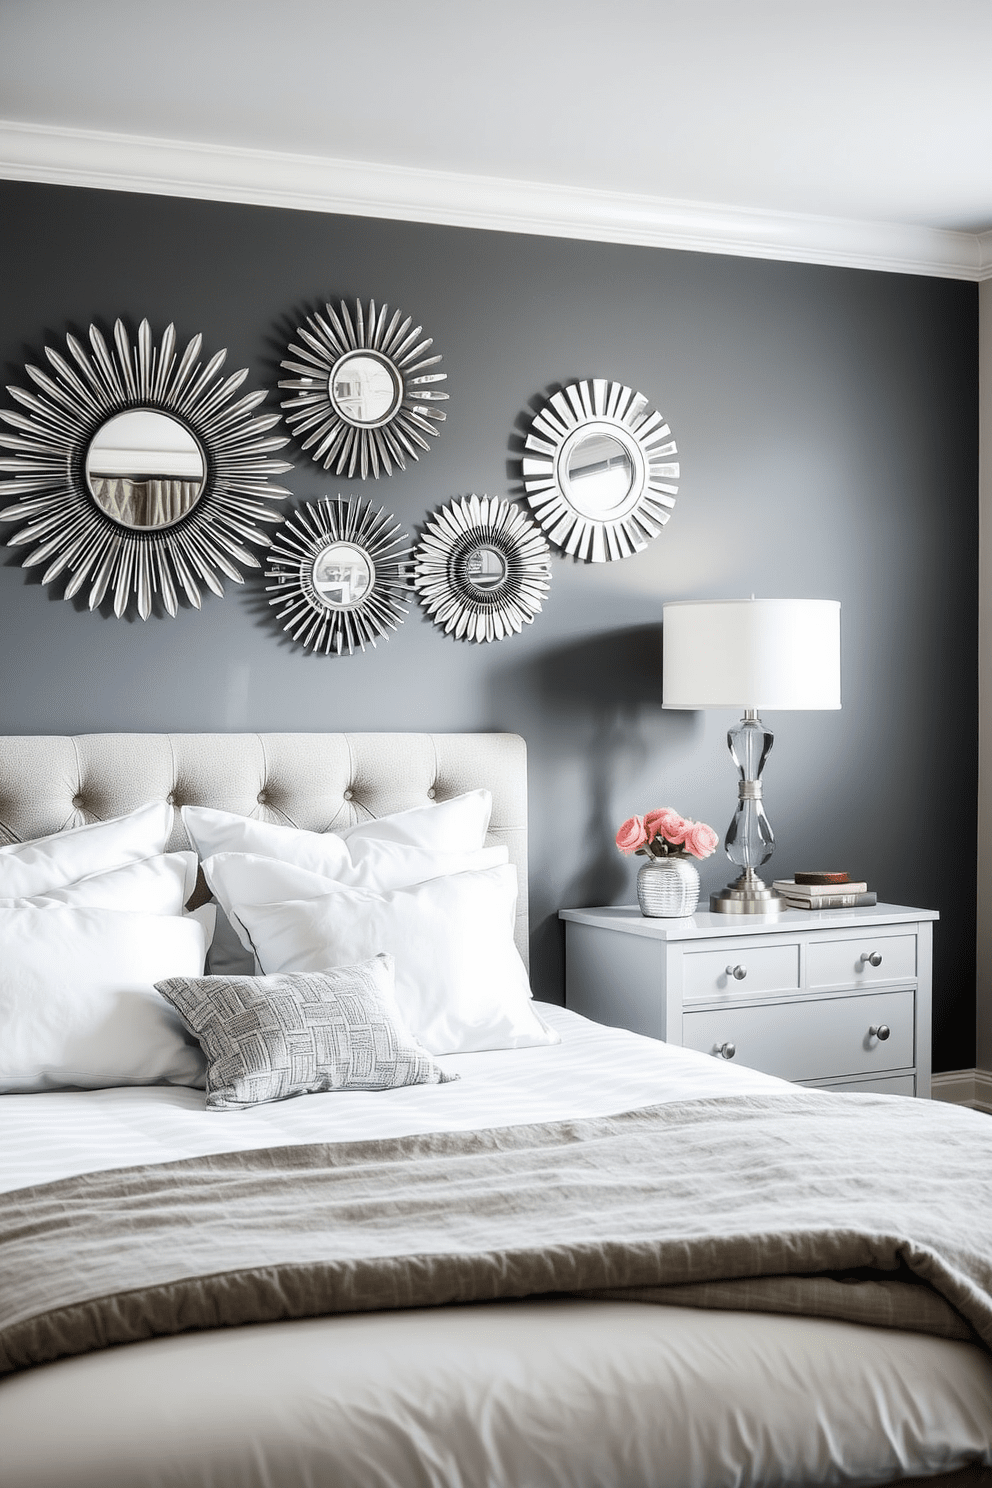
column 138, row 471
column 482, row 568
column 340, row 571
column 600, row 470
column 365, row 390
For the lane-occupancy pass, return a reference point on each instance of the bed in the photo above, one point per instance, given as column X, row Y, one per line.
column 502, row 1368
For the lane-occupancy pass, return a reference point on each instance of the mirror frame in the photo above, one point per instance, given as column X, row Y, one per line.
column 328, row 435
column 69, row 530
column 306, row 615
column 607, row 408
column 459, row 607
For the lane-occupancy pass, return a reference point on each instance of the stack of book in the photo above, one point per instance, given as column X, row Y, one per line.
column 823, row 891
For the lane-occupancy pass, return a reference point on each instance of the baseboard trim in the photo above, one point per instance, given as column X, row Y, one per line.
column 120, row 162
column 967, row 1087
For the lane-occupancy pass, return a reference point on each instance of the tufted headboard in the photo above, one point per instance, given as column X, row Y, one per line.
column 315, row 781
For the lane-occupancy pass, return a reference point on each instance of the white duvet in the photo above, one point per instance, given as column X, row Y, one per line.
column 526, row 1395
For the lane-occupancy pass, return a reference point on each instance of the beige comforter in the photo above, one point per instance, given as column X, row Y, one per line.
column 869, row 1208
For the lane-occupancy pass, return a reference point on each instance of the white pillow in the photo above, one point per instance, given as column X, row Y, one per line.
column 159, row 885
column 458, row 825
column 78, row 1006
column 47, row 863
column 388, row 853
column 375, row 855
column 460, row 982
column 291, row 867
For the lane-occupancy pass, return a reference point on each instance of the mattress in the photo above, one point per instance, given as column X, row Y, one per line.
column 542, row 1392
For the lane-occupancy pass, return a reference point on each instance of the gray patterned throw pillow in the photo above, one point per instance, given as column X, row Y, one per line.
column 270, row 1037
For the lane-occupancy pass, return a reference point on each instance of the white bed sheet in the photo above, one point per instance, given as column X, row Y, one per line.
column 594, row 1071
column 541, row 1394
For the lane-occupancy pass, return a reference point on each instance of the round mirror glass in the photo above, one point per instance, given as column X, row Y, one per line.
column 485, row 567
column 600, row 474
column 342, row 575
column 145, row 469
column 364, row 389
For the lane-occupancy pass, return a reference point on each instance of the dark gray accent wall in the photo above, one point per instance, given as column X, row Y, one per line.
column 827, row 424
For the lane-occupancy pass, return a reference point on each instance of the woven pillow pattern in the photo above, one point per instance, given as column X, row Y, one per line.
column 270, row 1037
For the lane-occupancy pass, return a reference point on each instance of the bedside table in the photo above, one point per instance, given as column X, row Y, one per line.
column 838, row 999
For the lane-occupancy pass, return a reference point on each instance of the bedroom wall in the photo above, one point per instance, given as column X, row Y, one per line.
column 826, row 420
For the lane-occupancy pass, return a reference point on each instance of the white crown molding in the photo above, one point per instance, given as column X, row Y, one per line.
column 967, row 1087
column 118, row 162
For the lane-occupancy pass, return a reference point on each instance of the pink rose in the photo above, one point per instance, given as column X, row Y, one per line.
column 666, row 823
column 700, row 840
column 632, row 835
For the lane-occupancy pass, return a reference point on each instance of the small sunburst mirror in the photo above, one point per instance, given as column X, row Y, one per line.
column 138, row 472
column 339, row 571
column 365, row 391
column 482, row 568
column 600, row 471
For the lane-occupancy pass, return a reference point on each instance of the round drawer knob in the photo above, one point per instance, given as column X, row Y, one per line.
column 738, row 973
column 727, row 1051
column 880, row 1031
column 871, row 958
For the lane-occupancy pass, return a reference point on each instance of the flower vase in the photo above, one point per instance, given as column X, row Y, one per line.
column 667, row 888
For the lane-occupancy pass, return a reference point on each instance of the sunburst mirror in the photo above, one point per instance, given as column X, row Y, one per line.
column 365, row 391
column 600, row 470
column 482, row 568
column 340, row 575
column 138, row 471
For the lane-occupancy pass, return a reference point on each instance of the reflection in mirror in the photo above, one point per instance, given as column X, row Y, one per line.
column 364, row 389
column 485, row 568
column 600, row 474
column 145, row 469
column 342, row 575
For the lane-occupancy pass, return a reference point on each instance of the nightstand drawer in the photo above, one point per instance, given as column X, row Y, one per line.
column 708, row 976
column 811, row 1040
column 846, row 961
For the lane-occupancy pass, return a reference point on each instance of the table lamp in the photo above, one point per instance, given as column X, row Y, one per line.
column 751, row 654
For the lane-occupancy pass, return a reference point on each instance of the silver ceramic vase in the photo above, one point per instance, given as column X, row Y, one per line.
column 667, row 888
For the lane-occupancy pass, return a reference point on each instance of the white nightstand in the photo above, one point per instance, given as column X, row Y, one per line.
column 835, row 998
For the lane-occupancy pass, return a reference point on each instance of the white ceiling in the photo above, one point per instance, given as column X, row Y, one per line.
column 878, row 111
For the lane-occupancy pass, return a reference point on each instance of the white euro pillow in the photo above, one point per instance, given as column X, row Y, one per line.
column 78, row 1006
column 389, row 853
column 460, row 983
column 456, row 825
column 46, row 863
column 159, row 885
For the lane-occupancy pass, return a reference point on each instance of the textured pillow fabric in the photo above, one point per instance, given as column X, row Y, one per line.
column 460, row 983
column 78, row 1006
column 159, row 885
column 268, row 1038
column 47, row 863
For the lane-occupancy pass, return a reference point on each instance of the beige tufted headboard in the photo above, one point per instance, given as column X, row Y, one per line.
column 315, row 781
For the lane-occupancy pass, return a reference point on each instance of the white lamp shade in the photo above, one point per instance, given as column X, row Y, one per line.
column 752, row 653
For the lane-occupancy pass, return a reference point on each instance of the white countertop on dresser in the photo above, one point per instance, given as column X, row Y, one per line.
column 705, row 925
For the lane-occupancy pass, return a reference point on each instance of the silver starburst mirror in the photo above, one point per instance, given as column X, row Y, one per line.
column 138, row 471
column 365, row 391
column 600, row 470
column 340, row 575
column 482, row 568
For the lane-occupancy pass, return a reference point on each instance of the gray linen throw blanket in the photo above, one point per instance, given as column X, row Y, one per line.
column 867, row 1207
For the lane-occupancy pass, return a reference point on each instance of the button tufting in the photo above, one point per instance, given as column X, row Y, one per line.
column 263, row 796
column 432, row 793
column 349, row 795
column 77, row 802
column 170, row 799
